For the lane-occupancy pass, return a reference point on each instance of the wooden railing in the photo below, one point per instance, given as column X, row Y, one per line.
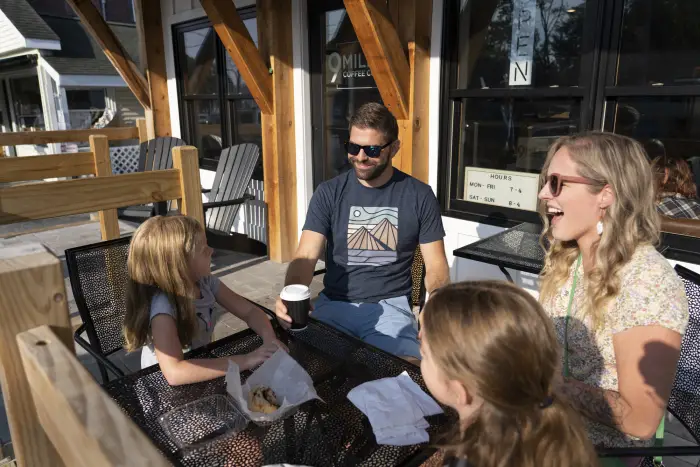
column 58, row 415
column 687, row 227
column 73, row 136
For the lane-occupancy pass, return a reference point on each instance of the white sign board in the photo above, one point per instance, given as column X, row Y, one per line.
column 522, row 44
column 515, row 190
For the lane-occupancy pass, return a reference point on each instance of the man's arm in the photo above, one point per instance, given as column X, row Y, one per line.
column 437, row 273
column 301, row 269
column 646, row 360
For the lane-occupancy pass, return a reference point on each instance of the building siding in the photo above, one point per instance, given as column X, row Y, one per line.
column 10, row 38
column 128, row 108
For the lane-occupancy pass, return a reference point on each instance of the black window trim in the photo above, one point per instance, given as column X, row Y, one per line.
column 600, row 64
column 225, row 99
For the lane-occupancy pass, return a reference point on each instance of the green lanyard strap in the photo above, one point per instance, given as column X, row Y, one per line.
column 568, row 313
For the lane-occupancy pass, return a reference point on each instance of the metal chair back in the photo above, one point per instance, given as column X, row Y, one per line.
column 98, row 276
column 684, row 402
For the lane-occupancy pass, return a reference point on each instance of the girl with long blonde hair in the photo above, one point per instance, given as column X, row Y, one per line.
column 618, row 306
column 170, row 298
column 490, row 352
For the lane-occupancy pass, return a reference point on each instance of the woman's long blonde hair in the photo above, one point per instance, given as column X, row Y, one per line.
column 159, row 262
column 495, row 339
column 631, row 220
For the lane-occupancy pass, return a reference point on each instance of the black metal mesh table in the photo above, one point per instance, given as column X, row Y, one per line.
column 517, row 248
column 329, row 433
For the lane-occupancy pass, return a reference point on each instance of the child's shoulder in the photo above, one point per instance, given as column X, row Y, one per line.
column 160, row 304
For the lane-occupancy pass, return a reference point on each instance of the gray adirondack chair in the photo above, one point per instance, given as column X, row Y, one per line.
column 155, row 154
column 228, row 193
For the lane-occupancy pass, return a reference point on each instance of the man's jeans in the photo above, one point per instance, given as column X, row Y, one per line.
column 389, row 324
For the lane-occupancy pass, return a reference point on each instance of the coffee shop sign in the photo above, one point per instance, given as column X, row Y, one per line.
column 347, row 66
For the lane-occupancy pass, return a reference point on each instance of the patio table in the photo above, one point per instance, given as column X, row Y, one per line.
column 329, row 433
column 516, row 248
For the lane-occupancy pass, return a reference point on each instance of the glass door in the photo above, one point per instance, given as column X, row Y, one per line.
column 341, row 83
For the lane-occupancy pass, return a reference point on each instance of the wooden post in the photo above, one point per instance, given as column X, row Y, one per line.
column 279, row 153
column 32, row 293
column 100, row 31
column 109, row 222
column 86, row 427
column 143, row 130
column 155, row 65
column 186, row 160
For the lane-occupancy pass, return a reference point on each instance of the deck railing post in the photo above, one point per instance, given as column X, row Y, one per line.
column 109, row 222
column 32, row 293
column 186, row 160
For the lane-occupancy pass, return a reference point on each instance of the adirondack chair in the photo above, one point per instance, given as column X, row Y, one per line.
column 233, row 174
column 155, row 154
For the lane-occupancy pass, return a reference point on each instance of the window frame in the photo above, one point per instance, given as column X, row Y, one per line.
column 601, row 50
column 225, row 100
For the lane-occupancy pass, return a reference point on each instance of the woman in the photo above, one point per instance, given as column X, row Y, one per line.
column 618, row 306
column 676, row 190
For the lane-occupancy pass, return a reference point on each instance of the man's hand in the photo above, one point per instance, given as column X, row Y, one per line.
column 283, row 316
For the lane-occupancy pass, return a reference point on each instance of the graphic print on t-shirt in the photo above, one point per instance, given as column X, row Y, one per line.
column 372, row 235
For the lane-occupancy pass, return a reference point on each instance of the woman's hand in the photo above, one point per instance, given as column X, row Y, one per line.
column 258, row 356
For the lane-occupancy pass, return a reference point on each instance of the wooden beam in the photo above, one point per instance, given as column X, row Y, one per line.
column 18, row 169
column 55, row 199
column 155, row 65
column 32, row 293
column 186, row 161
column 84, row 424
column 65, row 136
column 278, row 151
column 100, row 31
column 241, row 48
column 109, row 222
column 383, row 51
column 142, row 130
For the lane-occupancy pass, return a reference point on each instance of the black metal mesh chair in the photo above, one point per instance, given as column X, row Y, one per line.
column 684, row 403
column 98, row 276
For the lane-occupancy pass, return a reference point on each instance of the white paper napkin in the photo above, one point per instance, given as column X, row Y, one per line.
column 396, row 408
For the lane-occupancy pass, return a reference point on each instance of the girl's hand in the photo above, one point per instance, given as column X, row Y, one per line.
column 258, row 356
column 276, row 342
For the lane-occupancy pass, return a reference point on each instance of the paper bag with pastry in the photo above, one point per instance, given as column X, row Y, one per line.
column 273, row 391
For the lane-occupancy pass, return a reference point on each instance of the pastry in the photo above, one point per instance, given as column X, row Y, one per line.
column 262, row 399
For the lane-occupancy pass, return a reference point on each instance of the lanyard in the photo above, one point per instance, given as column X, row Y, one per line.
column 568, row 313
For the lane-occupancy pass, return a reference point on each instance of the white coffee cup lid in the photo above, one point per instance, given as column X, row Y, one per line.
column 295, row 293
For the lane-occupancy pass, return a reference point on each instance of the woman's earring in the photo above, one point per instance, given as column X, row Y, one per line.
column 599, row 227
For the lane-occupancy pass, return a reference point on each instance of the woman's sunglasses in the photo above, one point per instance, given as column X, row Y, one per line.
column 556, row 181
column 371, row 151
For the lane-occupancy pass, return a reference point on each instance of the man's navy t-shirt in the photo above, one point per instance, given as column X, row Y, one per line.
column 372, row 234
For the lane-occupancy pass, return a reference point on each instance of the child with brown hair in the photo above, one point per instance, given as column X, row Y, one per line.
column 491, row 354
column 170, row 299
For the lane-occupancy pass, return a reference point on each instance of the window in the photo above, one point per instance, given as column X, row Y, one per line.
column 85, row 107
column 521, row 73
column 217, row 109
column 29, row 113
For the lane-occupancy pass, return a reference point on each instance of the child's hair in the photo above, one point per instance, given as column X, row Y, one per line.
column 159, row 256
column 496, row 340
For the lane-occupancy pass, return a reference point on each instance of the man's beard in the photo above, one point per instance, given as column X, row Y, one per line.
column 371, row 174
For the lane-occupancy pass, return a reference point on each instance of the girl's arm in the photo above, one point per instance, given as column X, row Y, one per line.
column 255, row 318
column 178, row 371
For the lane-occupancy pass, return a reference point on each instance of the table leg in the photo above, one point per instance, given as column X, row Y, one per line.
column 506, row 273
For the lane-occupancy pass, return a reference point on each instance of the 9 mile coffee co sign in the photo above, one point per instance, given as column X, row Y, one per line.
column 347, row 67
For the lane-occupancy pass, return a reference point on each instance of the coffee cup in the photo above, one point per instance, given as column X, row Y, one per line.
column 296, row 298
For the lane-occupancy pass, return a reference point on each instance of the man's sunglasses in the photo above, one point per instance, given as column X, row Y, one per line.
column 556, row 181
column 371, row 151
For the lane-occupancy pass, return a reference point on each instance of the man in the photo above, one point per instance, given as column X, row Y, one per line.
column 369, row 221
